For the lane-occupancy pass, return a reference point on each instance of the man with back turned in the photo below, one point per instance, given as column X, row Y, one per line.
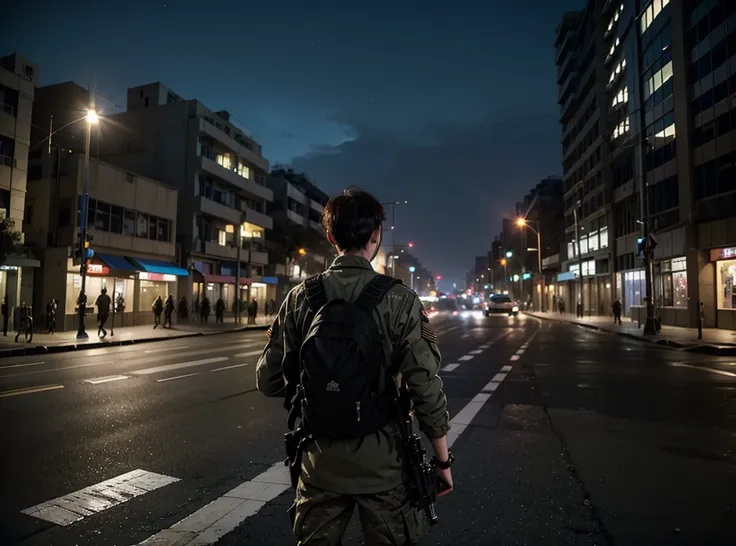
column 341, row 344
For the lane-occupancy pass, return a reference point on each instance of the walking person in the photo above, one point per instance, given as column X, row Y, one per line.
column 51, row 315
column 5, row 312
column 158, row 309
column 616, row 308
column 103, row 312
column 204, row 310
column 350, row 454
column 219, row 311
column 168, row 311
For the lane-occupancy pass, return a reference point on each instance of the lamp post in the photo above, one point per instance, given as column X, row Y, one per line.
column 238, row 241
column 580, row 262
column 91, row 118
column 524, row 223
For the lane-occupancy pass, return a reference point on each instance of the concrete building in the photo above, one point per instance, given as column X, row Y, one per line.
column 132, row 224
column 220, row 173
column 584, row 58
column 17, row 80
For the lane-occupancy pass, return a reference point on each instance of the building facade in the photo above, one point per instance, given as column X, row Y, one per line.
column 17, row 81
column 298, row 245
column 131, row 226
column 220, row 173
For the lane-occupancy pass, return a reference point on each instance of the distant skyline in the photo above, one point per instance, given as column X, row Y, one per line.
column 451, row 108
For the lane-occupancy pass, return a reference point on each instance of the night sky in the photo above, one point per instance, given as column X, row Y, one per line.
column 449, row 105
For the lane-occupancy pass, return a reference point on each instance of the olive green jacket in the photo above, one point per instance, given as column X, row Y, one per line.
column 371, row 464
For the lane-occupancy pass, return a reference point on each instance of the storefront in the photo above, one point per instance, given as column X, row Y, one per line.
column 214, row 287
column 725, row 262
column 132, row 283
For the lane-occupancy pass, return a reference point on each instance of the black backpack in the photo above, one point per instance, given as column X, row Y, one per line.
column 342, row 364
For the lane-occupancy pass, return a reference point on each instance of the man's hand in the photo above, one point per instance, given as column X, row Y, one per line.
column 446, row 476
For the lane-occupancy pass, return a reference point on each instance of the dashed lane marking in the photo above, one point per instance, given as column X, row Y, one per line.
column 30, row 390
column 514, row 358
column 107, row 379
column 703, row 369
column 163, row 380
column 151, row 351
column 450, row 367
column 499, row 377
column 76, row 506
column 229, row 367
column 180, row 365
column 249, row 353
column 25, row 365
column 506, row 368
column 476, row 352
column 466, row 358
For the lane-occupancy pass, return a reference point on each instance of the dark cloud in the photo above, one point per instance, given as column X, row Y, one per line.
column 460, row 180
column 287, row 135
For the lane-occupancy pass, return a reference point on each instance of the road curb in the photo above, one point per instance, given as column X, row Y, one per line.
column 715, row 350
column 55, row 349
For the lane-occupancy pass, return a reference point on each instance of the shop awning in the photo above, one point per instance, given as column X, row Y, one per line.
column 118, row 263
column 162, row 268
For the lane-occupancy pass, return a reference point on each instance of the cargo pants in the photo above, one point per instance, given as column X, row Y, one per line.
column 386, row 518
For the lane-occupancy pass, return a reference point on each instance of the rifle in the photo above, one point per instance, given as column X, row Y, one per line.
column 423, row 482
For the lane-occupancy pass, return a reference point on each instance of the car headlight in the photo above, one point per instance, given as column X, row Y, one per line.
column 515, row 309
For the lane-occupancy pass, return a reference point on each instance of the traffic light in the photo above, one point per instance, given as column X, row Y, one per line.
column 640, row 247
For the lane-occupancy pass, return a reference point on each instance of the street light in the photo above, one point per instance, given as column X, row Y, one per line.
column 412, row 269
column 524, row 223
column 92, row 119
column 509, row 254
column 393, row 204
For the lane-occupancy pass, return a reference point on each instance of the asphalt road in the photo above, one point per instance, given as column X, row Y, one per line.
column 562, row 436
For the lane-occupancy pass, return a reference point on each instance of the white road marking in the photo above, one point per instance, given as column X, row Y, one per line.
column 30, row 390
column 506, row 368
column 150, row 351
column 465, row 358
column 169, row 367
column 213, row 521
column 249, row 353
column 450, row 367
column 703, row 369
column 96, row 498
column 499, row 377
column 476, row 352
column 484, row 347
column 210, row 523
column 520, row 352
column 21, row 365
column 229, row 367
column 451, row 329
column 492, row 386
column 107, row 379
column 163, row 380
column 514, row 358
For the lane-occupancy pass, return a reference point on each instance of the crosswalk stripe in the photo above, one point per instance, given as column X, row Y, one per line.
column 76, row 506
column 180, row 365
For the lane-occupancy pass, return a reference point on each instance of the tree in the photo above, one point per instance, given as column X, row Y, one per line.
column 9, row 238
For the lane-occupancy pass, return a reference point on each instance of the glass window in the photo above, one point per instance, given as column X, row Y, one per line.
column 129, row 223
column 243, row 170
column 583, row 245
column 152, row 228
column 102, row 216
column 149, row 291
column 141, row 229
column 679, row 288
column 604, row 237
column 116, row 219
column 221, row 237
column 163, row 230
column 593, row 241
column 224, row 160
column 726, row 284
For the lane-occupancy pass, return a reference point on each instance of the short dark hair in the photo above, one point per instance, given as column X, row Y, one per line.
column 352, row 218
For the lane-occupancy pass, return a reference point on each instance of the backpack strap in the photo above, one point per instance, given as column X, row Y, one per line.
column 375, row 291
column 315, row 292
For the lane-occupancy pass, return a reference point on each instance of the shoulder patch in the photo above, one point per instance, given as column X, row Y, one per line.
column 427, row 333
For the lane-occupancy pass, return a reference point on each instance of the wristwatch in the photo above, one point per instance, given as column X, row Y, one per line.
column 444, row 465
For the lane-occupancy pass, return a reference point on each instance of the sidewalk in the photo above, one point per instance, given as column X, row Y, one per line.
column 67, row 341
column 715, row 341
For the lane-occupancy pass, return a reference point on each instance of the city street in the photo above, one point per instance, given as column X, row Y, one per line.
column 562, row 435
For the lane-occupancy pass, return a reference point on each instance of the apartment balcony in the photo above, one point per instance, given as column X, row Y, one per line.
column 234, row 179
column 8, row 120
column 240, row 150
column 317, row 207
column 258, row 218
column 315, row 225
column 223, row 212
column 230, row 252
column 565, row 87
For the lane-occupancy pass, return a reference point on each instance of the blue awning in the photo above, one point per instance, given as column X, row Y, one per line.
column 162, row 268
column 116, row 262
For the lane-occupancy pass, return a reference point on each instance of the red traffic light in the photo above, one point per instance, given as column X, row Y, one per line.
column 439, row 277
column 411, row 245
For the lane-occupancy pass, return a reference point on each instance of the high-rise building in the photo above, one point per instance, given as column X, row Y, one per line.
column 667, row 159
column 17, row 81
column 220, row 173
